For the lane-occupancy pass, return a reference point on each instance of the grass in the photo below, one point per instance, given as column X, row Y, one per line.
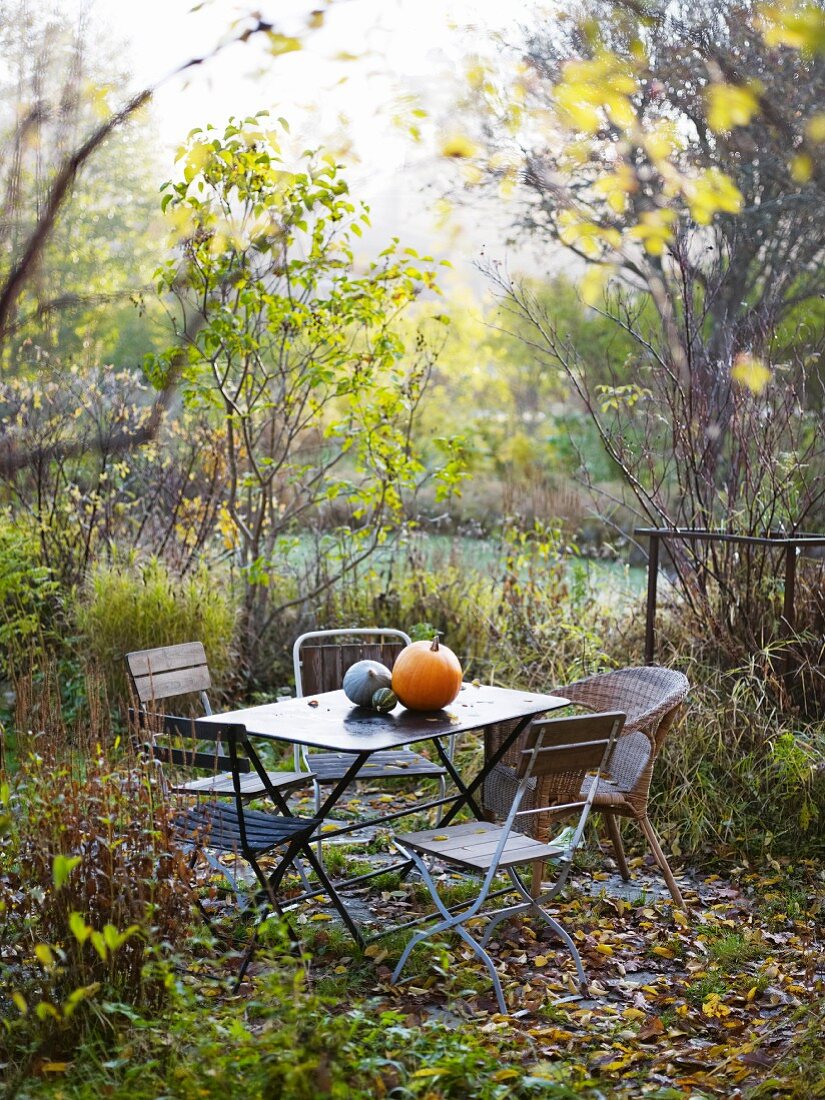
column 733, row 949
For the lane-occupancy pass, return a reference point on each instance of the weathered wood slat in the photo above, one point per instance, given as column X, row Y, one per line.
column 330, row 767
column 568, row 743
column 249, row 783
column 164, row 685
column 202, row 760
column 323, row 666
column 474, row 845
column 216, row 824
column 568, row 758
column 142, row 662
column 193, row 729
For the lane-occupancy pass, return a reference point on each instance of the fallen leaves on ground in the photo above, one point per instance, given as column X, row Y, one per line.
column 703, row 1002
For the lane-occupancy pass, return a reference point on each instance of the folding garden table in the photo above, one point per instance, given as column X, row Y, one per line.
column 331, row 723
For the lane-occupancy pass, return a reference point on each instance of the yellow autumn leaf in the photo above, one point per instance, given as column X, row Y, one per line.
column 664, row 952
column 604, row 948
column 711, row 193
column 505, row 1074
column 587, row 235
column 44, row 955
column 815, row 127
column 587, row 88
column 662, row 141
column 580, row 114
column 593, row 283
column 458, row 145
column 540, row 960
column 714, row 1007
column 751, row 372
column 800, row 25
column 802, row 168
column 730, row 105
column 616, row 186
column 654, row 230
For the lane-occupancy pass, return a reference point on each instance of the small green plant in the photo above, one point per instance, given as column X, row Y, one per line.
column 93, row 898
column 698, row 992
column 28, row 596
column 733, row 949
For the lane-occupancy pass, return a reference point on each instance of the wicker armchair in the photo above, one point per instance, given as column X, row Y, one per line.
column 651, row 698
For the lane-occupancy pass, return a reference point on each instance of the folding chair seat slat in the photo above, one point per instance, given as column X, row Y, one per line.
column 217, row 825
column 250, row 783
column 477, row 853
column 330, row 767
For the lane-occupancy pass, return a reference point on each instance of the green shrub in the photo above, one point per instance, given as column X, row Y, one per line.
column 93, row 900
column 27, row 595
column 142, row 606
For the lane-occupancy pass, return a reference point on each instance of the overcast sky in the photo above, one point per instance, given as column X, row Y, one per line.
column 407, row 53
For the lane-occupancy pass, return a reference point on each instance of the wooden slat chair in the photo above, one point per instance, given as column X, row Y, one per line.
column 179, row 670
column 652, row 698
column 320, row 659
column 558, row 754
column 226, row 827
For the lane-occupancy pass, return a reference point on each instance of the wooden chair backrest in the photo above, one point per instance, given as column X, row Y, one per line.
column 569, row 746
column 322, row 666
column 169, row 671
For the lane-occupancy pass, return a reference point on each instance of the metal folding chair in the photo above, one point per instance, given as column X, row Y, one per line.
column 561, row 753
column 226, row 828
column 179, row 670
column 320, row 659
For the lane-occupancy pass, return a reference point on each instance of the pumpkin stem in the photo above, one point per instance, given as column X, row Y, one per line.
column 434, row 646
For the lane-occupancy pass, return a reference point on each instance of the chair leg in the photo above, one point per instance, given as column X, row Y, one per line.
column 531, row 904
column 488, row 962
column 245, row 961
column 614, row 829
column 442, row 793
column 568, row 943
column 316, row 787
column 536, row 885
column 659, row 855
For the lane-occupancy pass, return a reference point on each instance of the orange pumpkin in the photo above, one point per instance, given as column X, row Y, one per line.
column 426, row 676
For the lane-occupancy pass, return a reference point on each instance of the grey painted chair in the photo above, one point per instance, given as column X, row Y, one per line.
column 558, row 755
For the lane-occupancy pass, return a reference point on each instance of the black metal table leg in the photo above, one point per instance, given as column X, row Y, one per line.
column 485, row 771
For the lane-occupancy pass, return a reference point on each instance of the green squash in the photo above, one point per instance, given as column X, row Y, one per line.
column 384, row 699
